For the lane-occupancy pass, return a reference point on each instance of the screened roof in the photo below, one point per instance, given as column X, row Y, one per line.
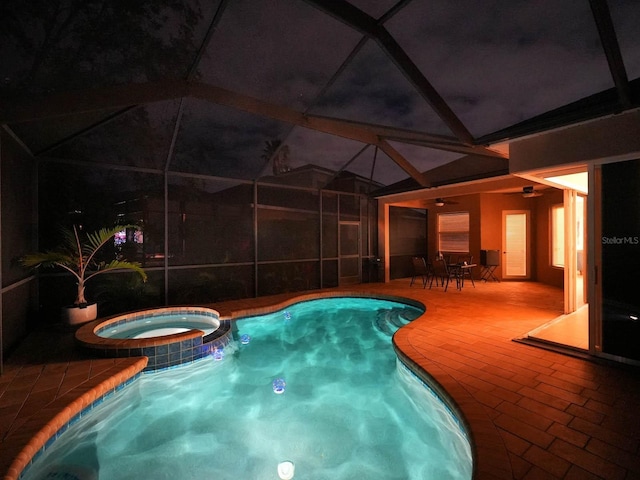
column 246, row 89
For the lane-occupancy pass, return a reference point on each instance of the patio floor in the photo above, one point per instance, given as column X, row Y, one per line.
column 533, row 413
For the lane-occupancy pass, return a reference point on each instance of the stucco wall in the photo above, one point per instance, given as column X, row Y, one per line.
column 485, row 217
column 545, row 272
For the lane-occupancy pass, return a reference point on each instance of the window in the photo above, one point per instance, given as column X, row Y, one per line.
column 453, row 232
column 557, row 236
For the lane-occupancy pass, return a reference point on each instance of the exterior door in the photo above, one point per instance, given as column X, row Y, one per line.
column 349, row 253
column 618, row 240
column 515, row 244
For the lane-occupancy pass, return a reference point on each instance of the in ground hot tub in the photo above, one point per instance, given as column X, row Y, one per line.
column 161, row 324
column 166, row 336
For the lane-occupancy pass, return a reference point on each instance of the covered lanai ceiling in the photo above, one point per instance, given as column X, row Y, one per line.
column 383, row 88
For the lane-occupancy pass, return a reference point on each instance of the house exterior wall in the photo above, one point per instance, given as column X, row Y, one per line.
column 491, row 226
column 608, row 145
column 545, row 272
column 485, row 229
column 408, row 238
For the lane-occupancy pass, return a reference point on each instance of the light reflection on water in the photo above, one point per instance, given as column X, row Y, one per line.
column 347, row 412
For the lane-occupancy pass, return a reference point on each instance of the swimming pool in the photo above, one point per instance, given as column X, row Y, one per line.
column 347, row 410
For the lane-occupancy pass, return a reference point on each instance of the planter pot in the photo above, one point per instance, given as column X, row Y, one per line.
column 77, row 316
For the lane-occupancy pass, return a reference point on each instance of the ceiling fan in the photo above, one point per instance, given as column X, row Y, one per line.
column 441, row 202
column 530, row 192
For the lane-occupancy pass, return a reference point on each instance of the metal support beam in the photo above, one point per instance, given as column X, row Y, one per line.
column 602, row 16
column 348, row 130
column 403, row 163
column 23, row 109
column 369, row 26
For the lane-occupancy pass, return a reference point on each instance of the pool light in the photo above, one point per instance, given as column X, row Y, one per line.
column 286, row 470
column 278, row 386
column 218, row 354
column 245, row 339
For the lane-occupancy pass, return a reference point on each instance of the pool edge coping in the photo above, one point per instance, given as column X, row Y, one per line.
column 69, row 407
column 490, row 456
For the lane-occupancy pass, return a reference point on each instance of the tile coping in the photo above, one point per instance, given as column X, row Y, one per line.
column 68, row 410
column 88, row 334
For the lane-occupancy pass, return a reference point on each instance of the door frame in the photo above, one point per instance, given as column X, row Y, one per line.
column 527, row 274
column 349, row 280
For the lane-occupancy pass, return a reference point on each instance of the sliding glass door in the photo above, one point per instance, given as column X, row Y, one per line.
column 620, row 259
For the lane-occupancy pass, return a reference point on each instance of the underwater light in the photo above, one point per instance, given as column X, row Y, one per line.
column 286, row 470
column 278, row 386
column 218, row 354
column 245, row 339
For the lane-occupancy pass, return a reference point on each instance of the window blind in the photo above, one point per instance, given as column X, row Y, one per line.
column 453, row 232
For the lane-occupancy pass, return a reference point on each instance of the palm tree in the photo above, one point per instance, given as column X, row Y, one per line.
column 277, row 153
column 77, row 255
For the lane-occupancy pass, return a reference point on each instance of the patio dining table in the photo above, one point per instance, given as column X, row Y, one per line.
column 461, row 270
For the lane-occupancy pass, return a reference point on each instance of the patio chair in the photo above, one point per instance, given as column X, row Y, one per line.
column 466, row 259
column 442, row 271
column 420, row 269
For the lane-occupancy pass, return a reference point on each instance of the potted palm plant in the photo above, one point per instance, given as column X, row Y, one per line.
column 77, row 255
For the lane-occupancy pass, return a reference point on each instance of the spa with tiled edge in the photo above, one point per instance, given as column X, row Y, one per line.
column 165, row 343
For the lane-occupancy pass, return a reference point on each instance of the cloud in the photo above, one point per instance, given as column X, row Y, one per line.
column 495, row 63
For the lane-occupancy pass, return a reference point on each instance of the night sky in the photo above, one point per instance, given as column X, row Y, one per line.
column 494, row 63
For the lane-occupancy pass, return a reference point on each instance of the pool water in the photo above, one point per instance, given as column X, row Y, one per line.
column 348, row 410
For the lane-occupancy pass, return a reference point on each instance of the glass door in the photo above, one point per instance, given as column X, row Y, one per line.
column 619, row 262
column 515, row 244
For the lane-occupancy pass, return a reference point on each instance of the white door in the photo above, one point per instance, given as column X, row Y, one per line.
column 515, row 244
